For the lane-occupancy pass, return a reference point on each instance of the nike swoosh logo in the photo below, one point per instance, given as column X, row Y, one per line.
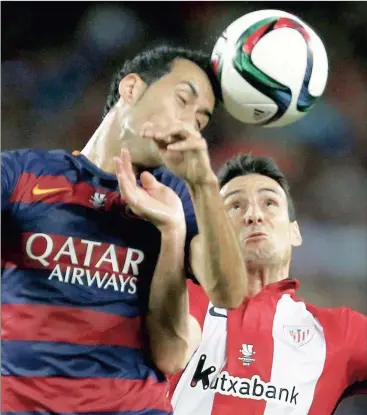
column 37, row 191
column 213, row 311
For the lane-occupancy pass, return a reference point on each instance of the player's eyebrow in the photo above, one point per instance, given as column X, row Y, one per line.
column 192, row 87
column 231, row 194
column 261, row 190
column 268, row 189
column 195, row 92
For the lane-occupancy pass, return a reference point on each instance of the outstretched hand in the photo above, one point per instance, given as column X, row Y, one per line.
column 153, row 201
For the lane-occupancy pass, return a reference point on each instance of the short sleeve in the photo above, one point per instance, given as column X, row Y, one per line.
column 356, row 338
column 191, row 225
column 10, row 173
column 182, row 191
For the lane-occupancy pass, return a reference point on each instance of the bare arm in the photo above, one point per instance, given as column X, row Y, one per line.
column 215, row 256
column 174, row 334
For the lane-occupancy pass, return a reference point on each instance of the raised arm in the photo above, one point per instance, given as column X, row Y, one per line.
column 216, row 258
column 173, row 333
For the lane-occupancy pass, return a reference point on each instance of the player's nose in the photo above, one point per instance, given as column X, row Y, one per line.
column 253, row 215
column 188, row 117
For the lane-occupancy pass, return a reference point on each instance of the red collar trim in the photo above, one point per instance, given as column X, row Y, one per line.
column 288, row 286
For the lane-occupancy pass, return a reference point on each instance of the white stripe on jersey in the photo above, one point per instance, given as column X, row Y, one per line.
column 298, row 361
column 297, row 365
column 193, row 401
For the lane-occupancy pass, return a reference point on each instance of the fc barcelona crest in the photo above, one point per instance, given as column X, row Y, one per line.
column 298, row 335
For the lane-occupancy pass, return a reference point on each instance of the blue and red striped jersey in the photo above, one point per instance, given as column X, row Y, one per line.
column 76, row 270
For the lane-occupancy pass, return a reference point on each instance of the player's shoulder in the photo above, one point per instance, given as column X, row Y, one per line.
column 339, row 318
column 166, row 177
column 39, row 161
column 36, row 153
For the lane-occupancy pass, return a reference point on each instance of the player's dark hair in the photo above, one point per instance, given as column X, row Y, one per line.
column 156, row 62
column 244, row 164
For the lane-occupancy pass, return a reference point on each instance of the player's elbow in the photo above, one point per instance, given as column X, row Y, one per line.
column 171, row 363
column 170, row 367
column 171, row 355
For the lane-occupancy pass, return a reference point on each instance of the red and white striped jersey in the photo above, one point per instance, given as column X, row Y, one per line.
column 274, row 355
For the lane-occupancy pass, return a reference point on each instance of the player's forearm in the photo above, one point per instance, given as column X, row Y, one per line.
column 222, row 269
column 168, row 315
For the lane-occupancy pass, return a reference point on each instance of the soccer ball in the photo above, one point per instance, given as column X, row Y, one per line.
column 272, row 68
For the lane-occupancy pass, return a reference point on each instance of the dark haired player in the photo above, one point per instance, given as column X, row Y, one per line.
column 275, row 354
column 79, row 263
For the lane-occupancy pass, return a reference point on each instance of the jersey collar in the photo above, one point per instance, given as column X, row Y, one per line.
column 287, row 286
column 86, row 163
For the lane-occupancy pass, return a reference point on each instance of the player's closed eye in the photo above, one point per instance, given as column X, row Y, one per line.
column 182, row 100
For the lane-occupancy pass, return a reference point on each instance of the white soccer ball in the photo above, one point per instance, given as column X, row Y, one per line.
column 272, row 68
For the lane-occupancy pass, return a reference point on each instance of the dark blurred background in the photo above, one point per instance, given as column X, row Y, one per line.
column 57, row 61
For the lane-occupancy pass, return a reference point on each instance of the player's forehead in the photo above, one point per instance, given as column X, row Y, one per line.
column 185, row 72
column 251, row 184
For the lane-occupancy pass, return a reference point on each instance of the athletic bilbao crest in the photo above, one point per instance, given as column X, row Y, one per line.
column 298, row 335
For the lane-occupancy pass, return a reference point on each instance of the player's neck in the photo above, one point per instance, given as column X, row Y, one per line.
column 260, row 276
column 107, row 141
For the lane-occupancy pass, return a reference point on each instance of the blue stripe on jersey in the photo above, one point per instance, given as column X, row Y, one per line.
column 85, row 223
column 75, row 169
column 142, row 412
column 42, row 359
column 58, row 163
column 21, row 286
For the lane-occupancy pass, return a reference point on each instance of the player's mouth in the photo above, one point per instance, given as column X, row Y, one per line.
column 256, row 236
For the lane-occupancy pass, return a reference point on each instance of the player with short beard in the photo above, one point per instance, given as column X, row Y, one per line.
column 275, row 354
column 73, row 343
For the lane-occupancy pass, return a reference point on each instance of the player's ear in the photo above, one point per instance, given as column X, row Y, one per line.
column 131, row 88
column 296, row 237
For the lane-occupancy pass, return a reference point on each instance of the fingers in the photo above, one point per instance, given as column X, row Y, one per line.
column 127, row 191
column 149, row 182
column 150, row 130
column 190, row 144
column 124, row 167
column 126, row 177
column 167, row 134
